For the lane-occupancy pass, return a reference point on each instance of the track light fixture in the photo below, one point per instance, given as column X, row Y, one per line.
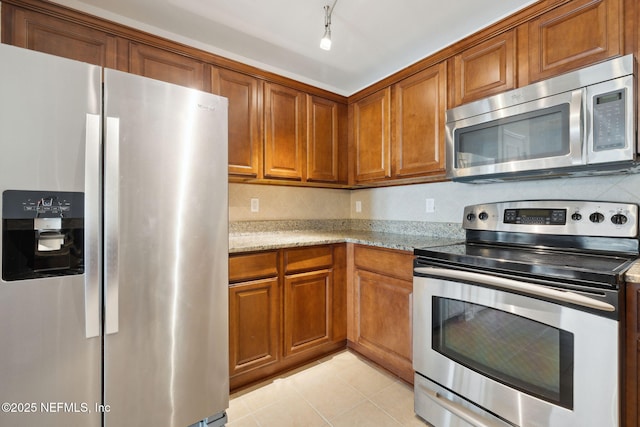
column 325, row 42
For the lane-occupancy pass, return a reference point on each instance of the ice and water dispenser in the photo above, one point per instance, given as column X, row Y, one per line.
column 42, row 234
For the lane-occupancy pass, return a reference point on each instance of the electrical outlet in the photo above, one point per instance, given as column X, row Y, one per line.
column 431, row 205
column 358, row 206
column 255, row 205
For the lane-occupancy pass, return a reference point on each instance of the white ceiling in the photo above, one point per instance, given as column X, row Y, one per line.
column 371, row 39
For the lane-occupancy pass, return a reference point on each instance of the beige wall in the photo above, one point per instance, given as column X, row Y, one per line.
column 278, row 202
column 408, row 203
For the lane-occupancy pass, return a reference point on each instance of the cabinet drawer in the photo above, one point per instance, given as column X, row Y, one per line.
column 389, row 262
column 311, row 258
column 253, row 266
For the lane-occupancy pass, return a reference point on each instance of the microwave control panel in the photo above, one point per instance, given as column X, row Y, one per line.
column 609, row 121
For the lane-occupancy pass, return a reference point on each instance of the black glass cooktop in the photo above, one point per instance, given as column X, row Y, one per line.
column 597, row 269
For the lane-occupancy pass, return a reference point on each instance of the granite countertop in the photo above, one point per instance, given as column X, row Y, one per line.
column 633, row 274
column 265, row 236
column 248, row 242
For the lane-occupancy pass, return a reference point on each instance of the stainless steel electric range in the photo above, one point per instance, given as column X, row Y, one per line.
column 520, row 325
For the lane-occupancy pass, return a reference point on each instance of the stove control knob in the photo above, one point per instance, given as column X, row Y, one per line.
column 619, row 219
column 596, row 217
column 576, row 216
column 471, row 217
column 483, row 216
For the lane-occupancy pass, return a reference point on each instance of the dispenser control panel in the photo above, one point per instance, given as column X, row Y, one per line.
column 18, row 204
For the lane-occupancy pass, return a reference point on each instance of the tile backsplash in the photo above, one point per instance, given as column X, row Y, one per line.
column 409, row 202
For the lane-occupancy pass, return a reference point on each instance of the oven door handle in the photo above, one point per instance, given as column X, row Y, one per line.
column 518, row 286
column 457, row 409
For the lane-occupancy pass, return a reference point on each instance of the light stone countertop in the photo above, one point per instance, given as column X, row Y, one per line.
column 260, row 241
column 633, row 274
column 268, row 240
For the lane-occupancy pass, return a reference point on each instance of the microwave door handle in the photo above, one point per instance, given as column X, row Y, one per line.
column 92, row 226
column 111, row 224
column 455, row 408
column 518, row 286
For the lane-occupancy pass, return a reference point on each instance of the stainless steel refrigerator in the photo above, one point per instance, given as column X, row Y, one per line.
column 113, row 298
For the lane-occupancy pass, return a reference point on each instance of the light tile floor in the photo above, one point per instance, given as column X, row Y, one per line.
column 343, row 390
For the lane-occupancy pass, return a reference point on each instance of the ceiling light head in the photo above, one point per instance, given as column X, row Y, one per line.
column 325, row 42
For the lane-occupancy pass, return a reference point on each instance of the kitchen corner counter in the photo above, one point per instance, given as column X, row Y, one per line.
column 633, row 274
column 250, row 242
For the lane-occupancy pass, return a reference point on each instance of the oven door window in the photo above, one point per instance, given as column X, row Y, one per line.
column 524, row 354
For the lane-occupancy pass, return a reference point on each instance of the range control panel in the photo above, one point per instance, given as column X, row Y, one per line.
column 562, row 217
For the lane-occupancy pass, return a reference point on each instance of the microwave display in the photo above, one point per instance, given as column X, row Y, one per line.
column 609, row 121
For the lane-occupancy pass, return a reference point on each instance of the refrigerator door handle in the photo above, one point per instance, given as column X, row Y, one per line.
column 111, row 223
column 92, row 226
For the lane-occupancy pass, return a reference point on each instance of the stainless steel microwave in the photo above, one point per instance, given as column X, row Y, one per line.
column 580, row 123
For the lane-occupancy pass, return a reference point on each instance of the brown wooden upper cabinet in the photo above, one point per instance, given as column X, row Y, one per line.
column 485, row 69
column 574, row 35
column 245, row 114
column 284, row 112
column 48, row 34
column 418, row 119
column 323, row 150
column 398, row 132
column 167, row 66
column 371, row 135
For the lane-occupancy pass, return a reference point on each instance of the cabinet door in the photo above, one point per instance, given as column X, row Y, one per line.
column 284, row 132
column 486, row 69
column 307, row 310
column 383, row 328
column 419, row 104
column 574, row 35
column 632, row 357
column 322, row 139
column 167, row 66
column 59, row 37
column 372, row 136
column 245, row 113
column 253, row 324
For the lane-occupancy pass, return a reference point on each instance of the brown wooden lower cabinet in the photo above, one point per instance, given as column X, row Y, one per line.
column 290, row 306
column 308, row 307
column 253, row 324
column 380, row 318
column 286, row 308
column 631, row 380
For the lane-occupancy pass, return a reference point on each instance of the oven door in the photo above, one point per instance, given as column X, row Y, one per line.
column 524, row 352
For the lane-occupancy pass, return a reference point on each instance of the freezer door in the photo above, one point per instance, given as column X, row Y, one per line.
column 49, row 364
column 166, row 253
